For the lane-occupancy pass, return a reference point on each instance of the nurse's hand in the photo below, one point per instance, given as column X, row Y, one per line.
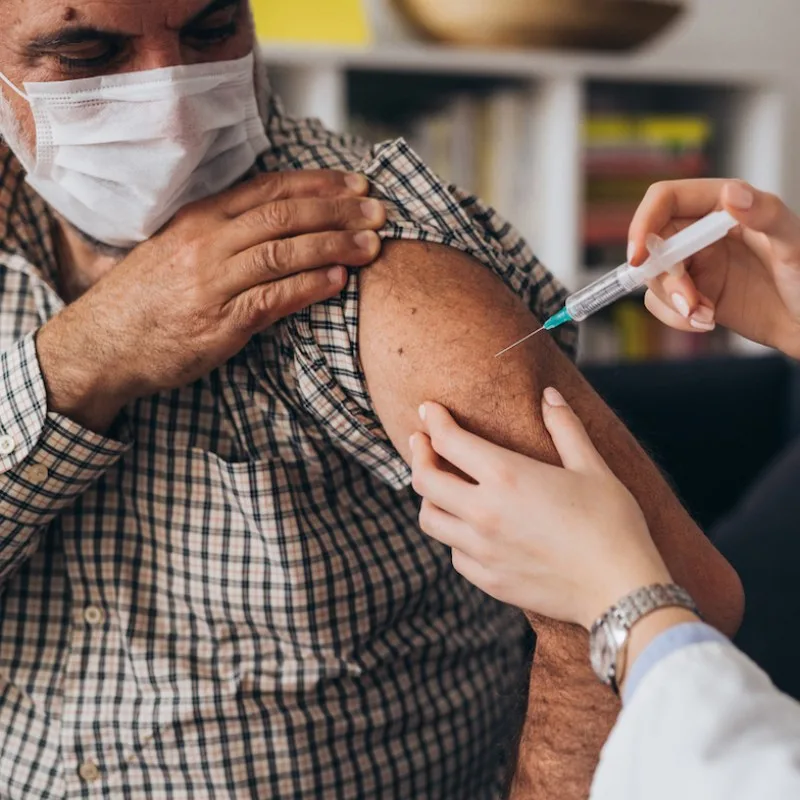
column 190, row 298
column 566, row 543
column 749, row 282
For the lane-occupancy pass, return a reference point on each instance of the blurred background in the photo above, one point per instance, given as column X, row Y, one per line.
column 559, row 113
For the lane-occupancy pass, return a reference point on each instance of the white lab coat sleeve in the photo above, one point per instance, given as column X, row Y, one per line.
column 705, row 724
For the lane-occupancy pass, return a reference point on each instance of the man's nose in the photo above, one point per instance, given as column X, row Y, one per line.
column 156, row 54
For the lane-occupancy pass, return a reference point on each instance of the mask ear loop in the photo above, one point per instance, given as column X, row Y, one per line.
column 11, row 86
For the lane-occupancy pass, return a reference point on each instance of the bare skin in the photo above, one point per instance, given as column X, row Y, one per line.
column 224, row 269
column 422, row 354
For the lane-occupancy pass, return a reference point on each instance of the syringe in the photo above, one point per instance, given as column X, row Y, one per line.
column 625, row 279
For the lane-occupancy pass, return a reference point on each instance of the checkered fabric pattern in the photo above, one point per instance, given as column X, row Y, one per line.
column 229, row 596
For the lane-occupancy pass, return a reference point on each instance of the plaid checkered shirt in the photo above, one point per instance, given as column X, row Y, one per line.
column 229, row 596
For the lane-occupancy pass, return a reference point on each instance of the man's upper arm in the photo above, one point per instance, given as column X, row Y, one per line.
column 432, row 320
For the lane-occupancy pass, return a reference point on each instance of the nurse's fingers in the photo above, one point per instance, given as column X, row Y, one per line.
column 433, row 482
column 765, row 213
column 273, row 186
column 701, row 322
column 668, row 201
column 468, row 453
column 448, row 529
column 576, row 449
column 678, row 290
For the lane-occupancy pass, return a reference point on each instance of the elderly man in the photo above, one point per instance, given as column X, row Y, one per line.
column 213, row 580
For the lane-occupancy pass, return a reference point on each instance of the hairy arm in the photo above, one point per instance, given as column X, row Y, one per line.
column 432, row 320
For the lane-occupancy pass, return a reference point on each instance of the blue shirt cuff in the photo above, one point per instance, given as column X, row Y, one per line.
column 664, row 645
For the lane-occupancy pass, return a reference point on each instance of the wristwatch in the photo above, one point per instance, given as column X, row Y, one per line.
column 608, row 640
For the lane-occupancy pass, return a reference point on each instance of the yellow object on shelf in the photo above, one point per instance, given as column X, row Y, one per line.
column 312, row 21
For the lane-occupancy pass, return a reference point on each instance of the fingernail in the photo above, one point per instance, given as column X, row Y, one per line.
column 358, row 183
column 631, row 251
column 365, row 240
column 681, row 305
column 337, row 275
column 702, row 326
column 703, row 315
column 654, row 243
column 412, row 441
column 554, row 398
column 372, row 210
column 740, row 197
column 423, row 413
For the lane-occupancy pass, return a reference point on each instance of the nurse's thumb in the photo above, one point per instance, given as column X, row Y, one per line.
column 762, row 212
column 569, row 436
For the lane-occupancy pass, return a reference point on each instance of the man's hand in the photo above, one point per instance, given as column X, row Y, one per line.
column 191, row 297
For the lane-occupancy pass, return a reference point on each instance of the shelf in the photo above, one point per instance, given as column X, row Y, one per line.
column 646, row 66
column 745, row 95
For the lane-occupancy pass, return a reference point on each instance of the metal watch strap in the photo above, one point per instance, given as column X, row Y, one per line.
column 644, row 601
column 631, row 609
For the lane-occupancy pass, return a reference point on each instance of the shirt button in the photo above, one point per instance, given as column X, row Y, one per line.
column 94, row 615
column 89, row 772
column 7, row 445
column 37, row 474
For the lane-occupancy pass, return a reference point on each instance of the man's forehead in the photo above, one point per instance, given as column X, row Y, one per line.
column 133, row 17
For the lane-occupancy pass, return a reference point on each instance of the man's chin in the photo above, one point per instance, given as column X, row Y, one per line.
column 98, row 247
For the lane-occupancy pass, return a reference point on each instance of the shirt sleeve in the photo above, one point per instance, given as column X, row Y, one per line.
column 706, row 724
column 665, row 645
column 46, row 460
column 420, row 207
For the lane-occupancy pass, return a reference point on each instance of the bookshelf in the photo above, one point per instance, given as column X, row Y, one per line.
column 554, row 93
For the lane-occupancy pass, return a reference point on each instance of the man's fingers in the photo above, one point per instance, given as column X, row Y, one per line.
column 264, row 305
column 765, row 213
column 273, row 186
column 433, row 482
column 465, row 451
column 275, row 260
column 576, row 449
column 286, row 218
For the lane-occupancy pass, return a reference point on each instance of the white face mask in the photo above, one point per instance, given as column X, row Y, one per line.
column 119, row 155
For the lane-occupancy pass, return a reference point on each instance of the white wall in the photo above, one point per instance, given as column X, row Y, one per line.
column 749, row 31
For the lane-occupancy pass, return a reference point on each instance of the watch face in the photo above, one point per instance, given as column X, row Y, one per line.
column 603, row 652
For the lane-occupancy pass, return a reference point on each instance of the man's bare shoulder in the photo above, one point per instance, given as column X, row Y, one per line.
column 432, row 321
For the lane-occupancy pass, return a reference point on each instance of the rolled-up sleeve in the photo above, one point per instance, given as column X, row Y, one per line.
column 46, row 460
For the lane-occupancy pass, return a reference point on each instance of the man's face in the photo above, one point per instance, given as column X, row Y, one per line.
column 55, row 40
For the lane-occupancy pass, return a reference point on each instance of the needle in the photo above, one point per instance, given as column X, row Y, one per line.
column 521, row 341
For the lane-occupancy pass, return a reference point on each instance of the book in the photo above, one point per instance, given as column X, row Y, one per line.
column 312, row 21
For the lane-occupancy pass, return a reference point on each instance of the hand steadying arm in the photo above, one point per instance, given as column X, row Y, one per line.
column 432, row 320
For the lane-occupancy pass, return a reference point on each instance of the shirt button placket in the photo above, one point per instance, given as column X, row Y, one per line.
column 94, row 616
column 7, row 444
column 89, row 772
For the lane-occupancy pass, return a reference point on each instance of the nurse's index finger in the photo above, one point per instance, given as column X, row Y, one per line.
column 467, row 452
column 297, row 184
column 672, row 200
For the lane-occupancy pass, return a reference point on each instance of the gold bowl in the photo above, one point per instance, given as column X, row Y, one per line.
column 580, row 24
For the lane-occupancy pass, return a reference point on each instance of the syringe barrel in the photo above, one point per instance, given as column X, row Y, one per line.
column 626, row 279
column 600, row 294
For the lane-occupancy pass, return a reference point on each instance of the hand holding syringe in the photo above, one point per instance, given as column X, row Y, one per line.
column 626, row 279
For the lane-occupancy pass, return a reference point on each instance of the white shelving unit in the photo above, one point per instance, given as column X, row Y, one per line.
column 751, row 96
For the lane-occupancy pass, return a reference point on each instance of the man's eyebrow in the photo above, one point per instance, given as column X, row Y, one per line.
column 211, row 9
column 70, row 36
